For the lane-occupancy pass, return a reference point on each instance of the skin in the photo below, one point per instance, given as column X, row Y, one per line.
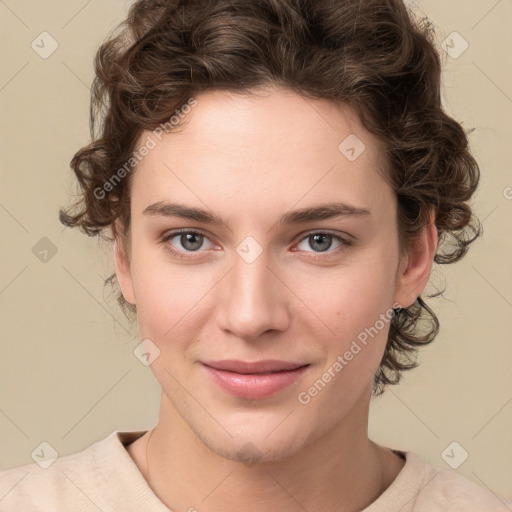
column 251, row 158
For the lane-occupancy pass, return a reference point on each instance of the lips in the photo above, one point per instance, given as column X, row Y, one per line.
column 258, row 367
column 254, row 380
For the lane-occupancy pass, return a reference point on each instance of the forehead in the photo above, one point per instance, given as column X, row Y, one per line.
column 273, row 147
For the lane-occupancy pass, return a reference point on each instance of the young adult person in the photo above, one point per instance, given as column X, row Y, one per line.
column 278, row 178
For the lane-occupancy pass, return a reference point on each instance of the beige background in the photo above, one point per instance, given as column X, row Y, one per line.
column 68, row 373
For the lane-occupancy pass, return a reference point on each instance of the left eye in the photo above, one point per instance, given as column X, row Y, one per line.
column 323, row 241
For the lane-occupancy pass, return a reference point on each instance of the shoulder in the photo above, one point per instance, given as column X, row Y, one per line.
column 420, row 487
column 75, row 480
column 441, row 489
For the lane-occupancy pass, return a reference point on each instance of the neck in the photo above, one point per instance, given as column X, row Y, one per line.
column 342, row 471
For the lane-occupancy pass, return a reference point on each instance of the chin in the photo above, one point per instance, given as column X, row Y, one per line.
column 256, row 449
column 262, row 438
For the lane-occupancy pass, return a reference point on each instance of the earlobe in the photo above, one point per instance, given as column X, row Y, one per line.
column 123, row 272
column 413, row 279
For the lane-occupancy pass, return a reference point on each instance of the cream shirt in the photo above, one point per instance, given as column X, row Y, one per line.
column 103, row 477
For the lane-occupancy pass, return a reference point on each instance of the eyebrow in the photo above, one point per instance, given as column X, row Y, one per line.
column 313, row 213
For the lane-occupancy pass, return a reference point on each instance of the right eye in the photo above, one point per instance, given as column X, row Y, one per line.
column 190, row 240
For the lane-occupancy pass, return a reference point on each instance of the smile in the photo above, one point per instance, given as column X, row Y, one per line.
column 255, row 385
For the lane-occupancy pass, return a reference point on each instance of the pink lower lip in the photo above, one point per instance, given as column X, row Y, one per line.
column 251, row 385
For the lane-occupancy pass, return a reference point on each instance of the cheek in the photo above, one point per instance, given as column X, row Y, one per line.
column 347, row 299
column 171, row 298
column 355, row 309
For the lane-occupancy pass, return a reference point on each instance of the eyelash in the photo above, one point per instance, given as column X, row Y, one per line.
column 185, row 255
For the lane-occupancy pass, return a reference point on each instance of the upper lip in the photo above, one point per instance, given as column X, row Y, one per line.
column 268, row 365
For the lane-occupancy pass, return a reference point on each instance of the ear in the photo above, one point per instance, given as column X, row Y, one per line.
column 415, row 268
column 123, row 271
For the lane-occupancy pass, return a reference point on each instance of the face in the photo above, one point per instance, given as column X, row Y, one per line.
column 265, row 282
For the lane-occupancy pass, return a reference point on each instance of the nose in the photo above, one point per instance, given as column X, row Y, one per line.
column 253, row 299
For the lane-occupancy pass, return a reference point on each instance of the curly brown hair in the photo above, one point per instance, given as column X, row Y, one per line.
column 373, row 55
